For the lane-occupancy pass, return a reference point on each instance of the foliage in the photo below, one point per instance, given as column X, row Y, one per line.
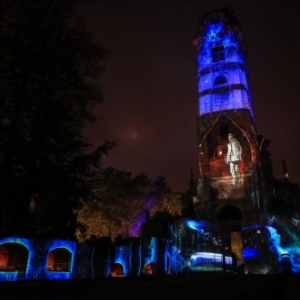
column 122, row 204
column 164, row 209
column 49, row 69
column 168, row 200
column 118, row 199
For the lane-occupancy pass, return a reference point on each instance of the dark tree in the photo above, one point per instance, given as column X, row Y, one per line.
column 123, row 202
column 117, row 206
column 49, row 69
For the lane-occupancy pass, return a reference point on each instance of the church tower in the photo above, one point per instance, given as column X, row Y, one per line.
column 230, row 184
column 240, row 211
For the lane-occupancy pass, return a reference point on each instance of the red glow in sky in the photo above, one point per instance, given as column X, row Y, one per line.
column 150, row 82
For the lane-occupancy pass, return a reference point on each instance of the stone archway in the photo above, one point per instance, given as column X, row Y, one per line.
column 59, row 259
column 13, row 257
column 230, row 214
column 230, row 220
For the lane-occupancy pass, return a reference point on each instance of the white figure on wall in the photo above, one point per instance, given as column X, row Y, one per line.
column 234, row 156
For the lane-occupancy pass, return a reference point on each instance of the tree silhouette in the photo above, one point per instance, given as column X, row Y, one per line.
column 49, row 69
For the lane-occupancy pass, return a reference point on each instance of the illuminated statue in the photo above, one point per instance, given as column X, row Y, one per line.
column 234, row 155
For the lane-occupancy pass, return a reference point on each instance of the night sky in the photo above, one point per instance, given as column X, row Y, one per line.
column 149, row 84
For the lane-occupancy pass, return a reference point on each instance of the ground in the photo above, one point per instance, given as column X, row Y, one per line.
column 181, row 286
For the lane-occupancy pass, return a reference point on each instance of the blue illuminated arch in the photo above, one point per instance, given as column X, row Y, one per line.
column 16, row 275
column 71, row 247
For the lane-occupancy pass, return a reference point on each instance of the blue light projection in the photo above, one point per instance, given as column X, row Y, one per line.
column 151, row 255
column 291, row 249
column 37, row 260
column 216, row 33
column 121, row 258
column 147, row 255
column 266, row 249
column 255, row 226
column 179, row 263
column 198, row 225
column 136, row 227
column 275, row 241
column 213, row 31
column 209, row 261
column 71, row 247
column 221, row 54
column 10, row 276
column 250, row 253
column 154, row 248
column 168, row 258
column 135, row 230
column 210, row 257
column 19, row 275
column 140, row 252
column 147, row 261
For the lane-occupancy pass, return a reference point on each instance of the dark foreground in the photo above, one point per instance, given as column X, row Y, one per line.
column 182, row 286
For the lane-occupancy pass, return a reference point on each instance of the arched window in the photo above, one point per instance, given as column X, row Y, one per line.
column 13, row 257
column 59, row 259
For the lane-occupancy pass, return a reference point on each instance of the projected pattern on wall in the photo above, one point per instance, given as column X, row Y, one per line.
column 223, row 83
column 270, row 249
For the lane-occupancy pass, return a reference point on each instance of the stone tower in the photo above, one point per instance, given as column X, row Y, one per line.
column 240, row 211
column 230, row 187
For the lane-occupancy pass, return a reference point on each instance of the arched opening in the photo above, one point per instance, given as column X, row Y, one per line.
column 59, row 259
column 147, row 269
column 117, row 270
column 13, row 257
column 229, row 213
column 230, row 219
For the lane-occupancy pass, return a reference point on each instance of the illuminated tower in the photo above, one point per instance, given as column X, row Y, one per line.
column 230, row 184
column 240, row 210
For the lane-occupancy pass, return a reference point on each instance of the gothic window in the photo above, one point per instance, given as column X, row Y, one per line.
column 218, row 53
